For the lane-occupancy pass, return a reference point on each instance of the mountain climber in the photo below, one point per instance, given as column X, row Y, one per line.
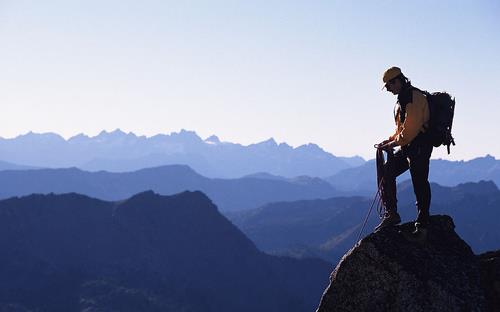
column 412, row 119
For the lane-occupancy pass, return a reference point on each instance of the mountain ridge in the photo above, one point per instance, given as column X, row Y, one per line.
column 362, row 179
column 119, row 151
column 327, row 228
column 228, row 194
column 71, row 252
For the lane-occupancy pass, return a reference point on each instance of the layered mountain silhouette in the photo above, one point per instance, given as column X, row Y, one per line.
column 327, row 228
column 228, row 194
column 386, row 271
column 362, row 180
column 119, row 152
column 323, row 228
column 147, row 253
column 11, row 166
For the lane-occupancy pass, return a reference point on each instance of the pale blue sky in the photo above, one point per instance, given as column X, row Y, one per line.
column 298, row 71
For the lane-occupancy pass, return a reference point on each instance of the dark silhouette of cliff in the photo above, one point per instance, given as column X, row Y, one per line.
column 387, row 272
column 147, row 253
column 490, row 278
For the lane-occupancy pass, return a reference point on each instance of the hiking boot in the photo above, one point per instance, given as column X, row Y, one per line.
column 390, row 219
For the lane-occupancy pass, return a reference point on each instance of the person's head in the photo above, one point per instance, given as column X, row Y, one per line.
column 394, row 80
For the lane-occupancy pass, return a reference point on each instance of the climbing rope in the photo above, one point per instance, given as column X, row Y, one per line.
column 380, row 208
column 378, row 195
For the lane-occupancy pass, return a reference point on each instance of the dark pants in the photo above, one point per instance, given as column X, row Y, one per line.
column 414, row 156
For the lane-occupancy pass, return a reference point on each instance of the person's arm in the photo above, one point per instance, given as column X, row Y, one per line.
column 385, row 143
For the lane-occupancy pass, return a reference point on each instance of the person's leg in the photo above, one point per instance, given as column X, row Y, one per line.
column 395, row 165
column 419, row 169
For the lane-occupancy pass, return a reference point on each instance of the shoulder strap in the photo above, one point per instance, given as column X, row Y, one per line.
column 404, row 98
column 395, row 111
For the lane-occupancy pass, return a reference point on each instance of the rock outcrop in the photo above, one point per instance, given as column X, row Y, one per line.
column 490, row 278
column 386, row 272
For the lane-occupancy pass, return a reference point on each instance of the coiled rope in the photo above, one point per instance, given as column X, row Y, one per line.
column 378, row 195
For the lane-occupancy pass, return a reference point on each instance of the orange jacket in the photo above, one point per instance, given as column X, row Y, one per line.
column 416, row 120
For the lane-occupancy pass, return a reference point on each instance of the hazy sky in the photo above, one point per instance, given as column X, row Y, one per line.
column 298, row 71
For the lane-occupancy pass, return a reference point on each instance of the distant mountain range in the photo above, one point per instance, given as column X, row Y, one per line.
column 118, row 151
column 227, row 194
column 146, row 253
column 328, row 228
column 10, row 166
column 362, row 179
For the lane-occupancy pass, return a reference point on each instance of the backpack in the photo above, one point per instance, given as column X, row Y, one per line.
column 441, row 111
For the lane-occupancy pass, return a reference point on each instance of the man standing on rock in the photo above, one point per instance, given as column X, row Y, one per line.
column 412, row 119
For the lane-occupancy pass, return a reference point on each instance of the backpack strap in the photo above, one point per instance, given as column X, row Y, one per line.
column 395, row 111
column 404, row 98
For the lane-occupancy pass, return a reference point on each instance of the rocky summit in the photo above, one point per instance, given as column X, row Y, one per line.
column 387, row 272
column 490, row 278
